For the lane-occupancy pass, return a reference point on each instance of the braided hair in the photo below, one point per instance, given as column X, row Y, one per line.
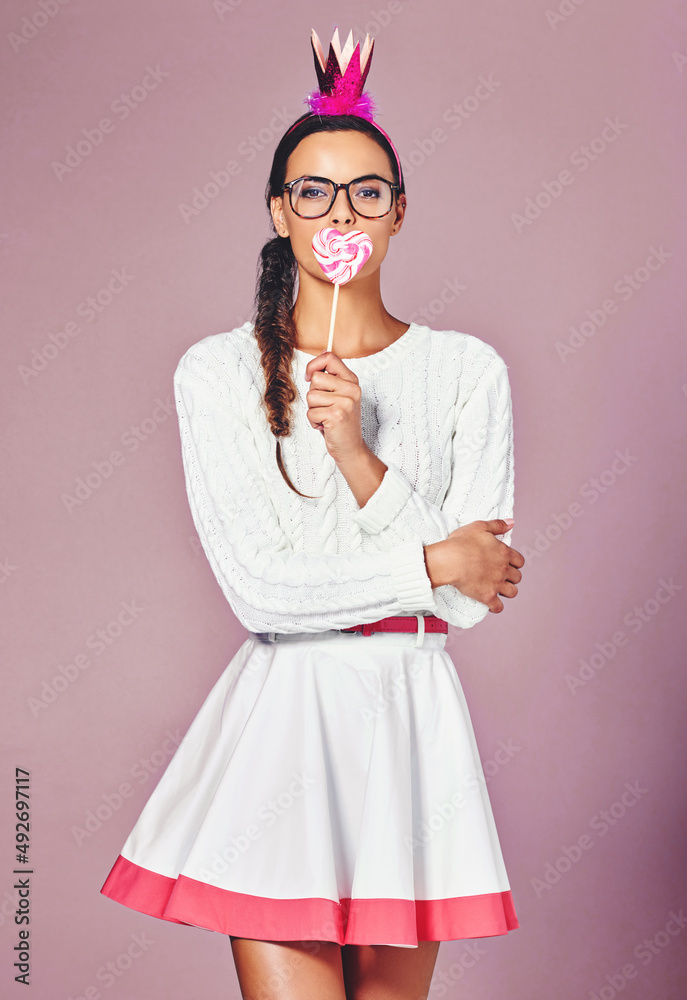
column 275, row 330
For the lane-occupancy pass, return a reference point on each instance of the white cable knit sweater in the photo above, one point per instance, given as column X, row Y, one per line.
column 435, row 408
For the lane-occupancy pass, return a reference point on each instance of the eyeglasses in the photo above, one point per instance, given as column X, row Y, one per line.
column 370, row 196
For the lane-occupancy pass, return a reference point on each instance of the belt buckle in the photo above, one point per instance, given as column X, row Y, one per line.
column 367, row 629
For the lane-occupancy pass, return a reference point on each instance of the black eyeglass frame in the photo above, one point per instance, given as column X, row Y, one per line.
column 337, row 188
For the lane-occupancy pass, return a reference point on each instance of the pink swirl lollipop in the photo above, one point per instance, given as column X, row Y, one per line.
column 340, row 257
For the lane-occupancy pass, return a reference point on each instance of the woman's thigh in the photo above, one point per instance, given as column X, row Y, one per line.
column 382, row 972
column 288, row 970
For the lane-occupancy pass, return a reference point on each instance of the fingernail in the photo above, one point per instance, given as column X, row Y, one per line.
column 509, row 520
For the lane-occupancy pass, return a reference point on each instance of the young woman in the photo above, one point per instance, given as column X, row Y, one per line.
column 327, row 809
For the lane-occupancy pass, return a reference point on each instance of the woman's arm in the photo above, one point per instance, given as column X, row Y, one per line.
column 268, row 585
column 363, row 473
column 481, row 485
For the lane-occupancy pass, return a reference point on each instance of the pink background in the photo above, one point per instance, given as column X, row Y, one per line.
column 223, row 76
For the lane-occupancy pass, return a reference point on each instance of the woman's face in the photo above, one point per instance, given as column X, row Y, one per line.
column 340, row 156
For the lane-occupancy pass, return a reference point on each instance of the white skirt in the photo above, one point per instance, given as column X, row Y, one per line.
column 329, row 788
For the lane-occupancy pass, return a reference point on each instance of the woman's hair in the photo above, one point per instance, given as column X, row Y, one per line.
column 276, row 277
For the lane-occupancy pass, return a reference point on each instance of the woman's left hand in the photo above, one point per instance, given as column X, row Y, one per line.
column 334, row 405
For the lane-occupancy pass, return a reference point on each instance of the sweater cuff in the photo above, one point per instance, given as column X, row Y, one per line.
column 409, row 576
column 386, row 502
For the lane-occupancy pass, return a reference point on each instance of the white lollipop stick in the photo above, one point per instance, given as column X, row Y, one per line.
column 340, row 257
column 333, row 317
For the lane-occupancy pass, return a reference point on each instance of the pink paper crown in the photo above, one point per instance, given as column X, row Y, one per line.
column 341, row 80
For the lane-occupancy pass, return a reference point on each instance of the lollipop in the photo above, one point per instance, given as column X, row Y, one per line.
column 340, row 257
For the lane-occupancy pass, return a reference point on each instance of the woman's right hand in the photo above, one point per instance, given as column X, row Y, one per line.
column 476, row 563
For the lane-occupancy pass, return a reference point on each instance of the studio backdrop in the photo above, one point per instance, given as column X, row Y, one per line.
column 543, row 147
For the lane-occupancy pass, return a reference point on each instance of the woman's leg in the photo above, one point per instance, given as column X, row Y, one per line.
column 382, row 972
column 288, row 970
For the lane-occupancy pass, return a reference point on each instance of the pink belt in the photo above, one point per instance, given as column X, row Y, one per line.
column 399, row 624
column 402, row 623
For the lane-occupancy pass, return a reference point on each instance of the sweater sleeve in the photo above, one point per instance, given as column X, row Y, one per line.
column 481, row 486
column 269, row 586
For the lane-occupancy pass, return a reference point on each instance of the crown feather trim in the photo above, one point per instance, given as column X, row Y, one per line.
column 342, row 103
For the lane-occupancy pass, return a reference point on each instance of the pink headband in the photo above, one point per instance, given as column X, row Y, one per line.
column 341, row 81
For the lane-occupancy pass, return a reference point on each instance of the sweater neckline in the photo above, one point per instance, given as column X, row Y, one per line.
column 378, row 358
